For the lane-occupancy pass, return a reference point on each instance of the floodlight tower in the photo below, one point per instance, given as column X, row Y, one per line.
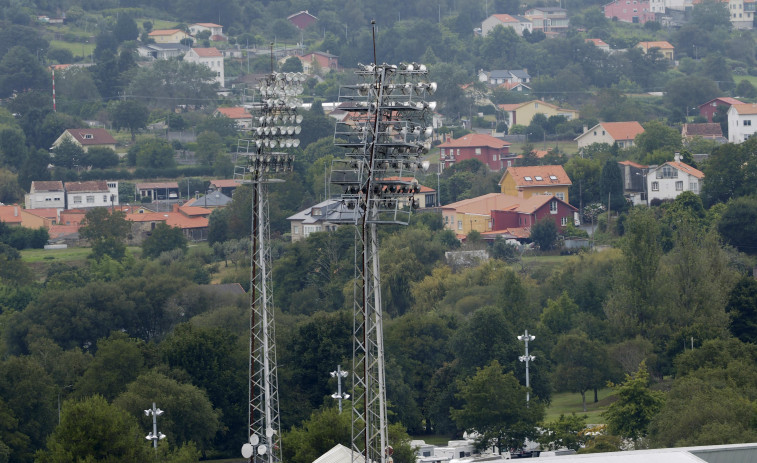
column 259, row 160
column 387, row 134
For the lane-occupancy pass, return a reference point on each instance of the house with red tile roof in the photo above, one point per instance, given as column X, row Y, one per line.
column 523, row 113
column 10, row 215
column 505, row 213
column 665, row 48
column 93, row 193
column 87, row 138
column 216, row 30
column 708, row 109
column 706, row 130
column 193, row 222
column 238, row 114
column 302, row 19
column 622, row 133
column 39, row 218
column 168, row 35
column 527, row 181
column 210, row 57
column 45, row 195
column 318, row 60
column 669, row 180
column 489, row 150
column 599, row 43
column 518, row 23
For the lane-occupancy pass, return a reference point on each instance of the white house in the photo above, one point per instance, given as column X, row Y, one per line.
column 95, row 193
column 324, row 216
column 742, row 122
column 518, row 23
column 210, row 57
column 669, row 180
column 622, row 133
column 43, row 195
column 216, row 31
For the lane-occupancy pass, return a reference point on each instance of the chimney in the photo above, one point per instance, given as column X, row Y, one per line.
column 586, row 128
column 677, row 157
column 15, row 211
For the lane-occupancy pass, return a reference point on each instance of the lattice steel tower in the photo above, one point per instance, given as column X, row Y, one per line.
column 259, row 161
column 387, row 134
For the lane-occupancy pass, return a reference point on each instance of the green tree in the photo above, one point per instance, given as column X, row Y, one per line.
column 106, row 230
column 611, row 186
column 565, row 432
column 544, row 233
column 117, row 361
column 209, row 147
column 13, row 148
column 189, row 416
column 168, row 83
column 742, row 307
column 126, row 28
column 131, row 115
column 68, row 154
column 683, row 95
column 494, row 406
column 324, row 429
column 746, row 89
column 152, row 152
column 92, row 430
column 164, row 238
column 292, row 64
column 100, row 157
column 636, row 405
column 20, row 71
column 738, row 224
column 584, row 173
column 582, row 364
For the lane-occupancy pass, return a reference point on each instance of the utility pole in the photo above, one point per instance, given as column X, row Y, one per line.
column 527, row 358
column 339, row 374
column 154, row 436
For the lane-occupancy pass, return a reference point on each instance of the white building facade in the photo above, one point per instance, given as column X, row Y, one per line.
column 209, row 57
column 97, row 193
column 669, row 180
column 742, row 122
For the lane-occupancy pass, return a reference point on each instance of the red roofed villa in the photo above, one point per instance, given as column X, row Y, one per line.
column 528, row 181
column 622, row 133
column 87, row 138
column 489, row 150
column 239, row 114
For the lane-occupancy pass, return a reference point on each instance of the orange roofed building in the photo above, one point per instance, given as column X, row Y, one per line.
column 489, row 150
column 527, row 181
column 505, row 213
column 193, row 222
column 622, row 133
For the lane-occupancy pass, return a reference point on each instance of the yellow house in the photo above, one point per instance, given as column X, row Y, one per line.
column 168, row 35
column 528, row 181
column 665, row 48
column 467, row 215
column 522, row 113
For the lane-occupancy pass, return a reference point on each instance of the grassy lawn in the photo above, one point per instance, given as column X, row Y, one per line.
column 570, row 402
column 751, row 79
column 77, row 49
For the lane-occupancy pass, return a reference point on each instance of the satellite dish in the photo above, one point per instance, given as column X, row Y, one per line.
column 269, row 432
column 254, row 439
column 262, row 449
column 247, row 450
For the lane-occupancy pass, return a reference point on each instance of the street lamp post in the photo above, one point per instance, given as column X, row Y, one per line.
column 527, row 358
column 154, row 436
column 339, row 374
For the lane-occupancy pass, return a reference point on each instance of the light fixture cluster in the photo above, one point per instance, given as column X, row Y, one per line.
column 275, row 125
column 388, row 130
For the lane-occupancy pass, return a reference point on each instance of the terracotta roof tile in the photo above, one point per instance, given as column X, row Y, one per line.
column 10, row 214
column 236, row 112
column 686, row 168
column 225, row 183
column 658, row 44
column 86, row 187
column 158, row 185
column 531, row 176
column 632, row 164
column 745, row 108
column 158, row 32
column 54, row 185
column 90, row 136
column 707, row 129
column 211, row 52
column 473, row 140
column 622, row 130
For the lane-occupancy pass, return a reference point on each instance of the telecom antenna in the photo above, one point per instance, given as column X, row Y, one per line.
column 260, row 160
column 387, row 133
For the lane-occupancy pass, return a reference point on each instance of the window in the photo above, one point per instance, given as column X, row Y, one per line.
column 316, row 211
column 105, row 198
column 560, row 196
column 693, row 186
column 747, row 122
column 459, row 224
column 679, row 185
column 478, row 151
column 667, row 172
column 552, row 177
column 77, row 199
column 595, row 133
column 296, row 229
column 655, row 186
column 48, row 198
column 564, row 221
column 553, row 207
column 90, row 199
column 538, row 178
column 88, row 136
column 527, row 178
